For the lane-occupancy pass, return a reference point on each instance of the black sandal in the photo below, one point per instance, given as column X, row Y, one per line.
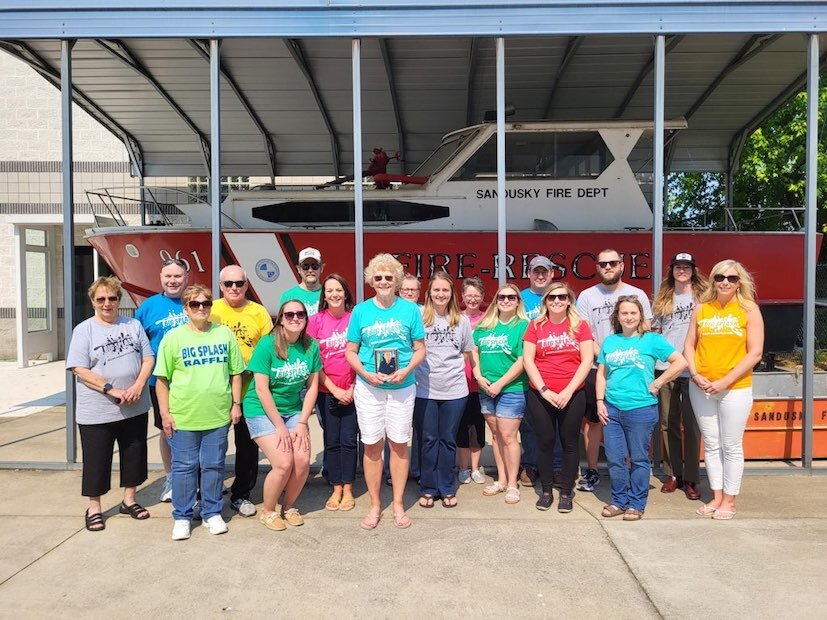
column 94, row 523
column 136, row 511
column 446, row 501
column 429, row 501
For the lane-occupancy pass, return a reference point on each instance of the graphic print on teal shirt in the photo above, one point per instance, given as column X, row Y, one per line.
column 630, row 368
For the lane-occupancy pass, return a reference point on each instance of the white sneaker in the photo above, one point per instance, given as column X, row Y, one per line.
column 216, row 525
column 478, row 477
column 180, row 529
column 464, row 476
column 244, row 507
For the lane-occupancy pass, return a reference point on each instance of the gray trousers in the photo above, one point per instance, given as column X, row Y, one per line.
column 681, row 450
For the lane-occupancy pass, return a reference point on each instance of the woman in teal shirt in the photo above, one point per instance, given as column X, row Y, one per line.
column 283, row 364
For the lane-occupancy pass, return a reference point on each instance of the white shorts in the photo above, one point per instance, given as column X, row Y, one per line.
column 383, row 412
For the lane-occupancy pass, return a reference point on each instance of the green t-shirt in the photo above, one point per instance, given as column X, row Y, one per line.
column 310, row 299
column 287, row 377
column 198, row 367
column 499, row 348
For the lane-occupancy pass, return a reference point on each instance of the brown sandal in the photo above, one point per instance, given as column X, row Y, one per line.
column 610, row 510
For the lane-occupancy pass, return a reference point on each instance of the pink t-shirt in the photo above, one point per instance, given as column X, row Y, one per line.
column 472, row 383
column 332, row 336
column 558, row 354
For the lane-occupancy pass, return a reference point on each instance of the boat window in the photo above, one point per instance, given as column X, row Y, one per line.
column 553, row 155
column 443, row 153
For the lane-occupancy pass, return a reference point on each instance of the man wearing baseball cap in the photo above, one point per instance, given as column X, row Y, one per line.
column 309, row 290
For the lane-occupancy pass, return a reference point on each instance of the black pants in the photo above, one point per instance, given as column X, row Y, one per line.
column 98, row 443
column 548, row 422
column 471, row 418
column 246, row 462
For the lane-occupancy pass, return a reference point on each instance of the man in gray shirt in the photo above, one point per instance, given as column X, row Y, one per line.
column 596, row 304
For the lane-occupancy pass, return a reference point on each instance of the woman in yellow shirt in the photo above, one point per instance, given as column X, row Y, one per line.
column 725, row 341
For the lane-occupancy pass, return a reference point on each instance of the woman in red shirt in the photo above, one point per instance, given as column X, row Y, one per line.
column 558, row 352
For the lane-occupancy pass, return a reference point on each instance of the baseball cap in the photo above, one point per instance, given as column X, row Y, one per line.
column 309, row 253
column 682, row 257
column 540, row 261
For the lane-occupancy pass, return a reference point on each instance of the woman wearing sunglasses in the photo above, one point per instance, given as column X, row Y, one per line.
column 441, row 390
column 558, row 351
column 199, row 393
column 329, row 328
column 111, row 358
column 284, row 363
column 627, row 403
column 498, row 369
column 724, row 343
column 385, row 343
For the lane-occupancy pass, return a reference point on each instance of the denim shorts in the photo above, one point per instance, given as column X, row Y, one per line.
column 509, row 405
column 261, row 425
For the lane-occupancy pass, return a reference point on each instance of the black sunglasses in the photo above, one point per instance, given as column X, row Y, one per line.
column 608, row 263
column 199, row 304
column 506, row 297
column 112, row 298
column 558, row 296
column 298, row 314
column 310, row 266
column 174, row 261
column 719, row 277
column 237, row 283
column 385, row 278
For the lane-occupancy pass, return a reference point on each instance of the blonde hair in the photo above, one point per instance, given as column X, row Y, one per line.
column 665, row 300
column 193, row 291
column 492, row 314
column 429, row 312
column 745, row 293
column 110, row 282
column 572, row 315
column 384, row 262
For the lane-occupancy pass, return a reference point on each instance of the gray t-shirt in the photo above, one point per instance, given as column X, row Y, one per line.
column 442, row 375
column 596, row 304
column 675, row 326
column 115, row 352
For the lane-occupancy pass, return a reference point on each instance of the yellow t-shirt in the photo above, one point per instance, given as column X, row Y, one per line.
column 249, row 324
column 722, row 341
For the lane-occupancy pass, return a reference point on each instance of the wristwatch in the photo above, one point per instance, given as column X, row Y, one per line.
column 544, row 389
column 106, row 388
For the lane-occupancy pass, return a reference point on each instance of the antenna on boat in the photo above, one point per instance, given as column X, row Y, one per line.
column 491, row 115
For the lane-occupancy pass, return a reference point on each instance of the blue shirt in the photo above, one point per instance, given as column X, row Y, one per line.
column 531, row 301
column 630, row 368
column 158, row 315
column 372, row 327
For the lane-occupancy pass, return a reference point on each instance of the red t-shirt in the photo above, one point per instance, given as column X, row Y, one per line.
column 558, row 354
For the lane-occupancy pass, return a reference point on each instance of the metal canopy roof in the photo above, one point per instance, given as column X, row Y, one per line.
column 287, row 103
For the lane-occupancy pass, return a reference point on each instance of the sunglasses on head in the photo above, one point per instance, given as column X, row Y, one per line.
column 174, row 261
column 608, row 263
column 199, row 304
column 310, row 266
column 719, row 277
column 385, row 278
column 112, row 298
column 298, row 314
column 557, row 296
column 236, row 283
column 502, row 297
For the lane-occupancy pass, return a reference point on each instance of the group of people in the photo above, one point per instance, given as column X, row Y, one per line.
column 536, row 368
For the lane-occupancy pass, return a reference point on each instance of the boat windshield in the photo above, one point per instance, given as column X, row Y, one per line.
column 443, row 154
column 546, row 154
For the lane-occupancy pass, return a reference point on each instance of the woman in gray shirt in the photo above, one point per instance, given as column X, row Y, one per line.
column 111, row 357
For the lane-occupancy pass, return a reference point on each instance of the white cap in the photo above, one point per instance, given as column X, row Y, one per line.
column 309, row 253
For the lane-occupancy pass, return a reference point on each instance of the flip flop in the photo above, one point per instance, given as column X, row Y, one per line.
column 428, row 501
column 93, row 521
column 449, row 501
column 347, row 503
column 136, row 511
column 723, row 515
column 402, row 521
column 706, row 511
column 370, row 521
column 332, row 503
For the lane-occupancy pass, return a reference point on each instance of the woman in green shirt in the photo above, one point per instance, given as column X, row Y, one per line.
column 283, row 364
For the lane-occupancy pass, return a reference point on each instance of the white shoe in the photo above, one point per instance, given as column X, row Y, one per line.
column 180, row 529
column 464, row 476
column 478, row 477
column 216, row 525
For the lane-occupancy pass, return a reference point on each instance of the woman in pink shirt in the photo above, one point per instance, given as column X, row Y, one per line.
column 335, row 401
column 471, row 434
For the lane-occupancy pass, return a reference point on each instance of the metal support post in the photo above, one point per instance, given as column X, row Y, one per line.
column 358, row 206
column 215, row 160
column 657, row 172
column 501, row 223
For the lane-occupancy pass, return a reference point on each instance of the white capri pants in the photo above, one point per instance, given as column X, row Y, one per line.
column 722, row 419
column 383, row 412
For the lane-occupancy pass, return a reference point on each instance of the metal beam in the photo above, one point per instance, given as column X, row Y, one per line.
column 571, row 49
column 469, row 84
column 24, row 52
column 215, row 162
column 121, row 52
column 269, row 145
column 294, row 46
column 358, row 205
column 502, row 222
column 657, row 171
column 644, row 72
column 400, row 132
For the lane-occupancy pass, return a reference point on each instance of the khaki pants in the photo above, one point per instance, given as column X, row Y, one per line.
column 681, row 450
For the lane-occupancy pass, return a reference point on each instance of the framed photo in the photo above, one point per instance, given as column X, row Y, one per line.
column 387, row 361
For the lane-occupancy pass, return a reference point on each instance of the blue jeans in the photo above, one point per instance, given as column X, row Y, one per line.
column 340, row 430
column 438, row 423
column 193, row 451
column 628, row 433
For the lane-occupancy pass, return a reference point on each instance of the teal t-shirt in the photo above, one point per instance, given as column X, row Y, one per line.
column 499, row 348
column 310, row 299
column 630, row 368
column 287, row 377
column 372, row 328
